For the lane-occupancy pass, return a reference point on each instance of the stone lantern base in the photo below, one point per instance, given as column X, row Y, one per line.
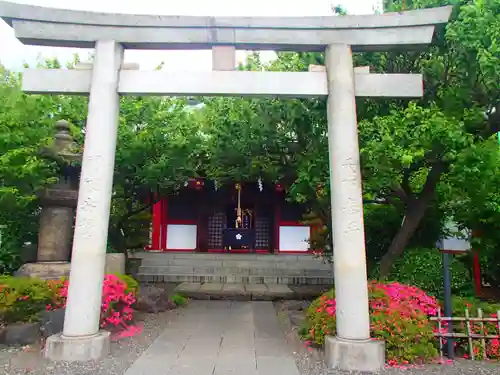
column 115, row 263
column 45, row 270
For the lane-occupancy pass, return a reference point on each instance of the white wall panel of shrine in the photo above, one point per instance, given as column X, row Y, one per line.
column 181, row 236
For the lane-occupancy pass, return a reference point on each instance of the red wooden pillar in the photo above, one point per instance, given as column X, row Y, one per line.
column 164, row 216
column 202, row 225
column 477, row 273
column 277, row 219
column 156, row 219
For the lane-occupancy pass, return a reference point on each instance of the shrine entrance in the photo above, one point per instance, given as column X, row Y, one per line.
column 107, row 77
column 242, row 217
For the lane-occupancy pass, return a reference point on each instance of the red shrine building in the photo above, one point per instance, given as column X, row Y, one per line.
column 238, row 217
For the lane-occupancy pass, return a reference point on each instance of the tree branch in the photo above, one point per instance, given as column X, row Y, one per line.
column 433, row 178
column 398, row 192
column 137, row 211
column 405, row 183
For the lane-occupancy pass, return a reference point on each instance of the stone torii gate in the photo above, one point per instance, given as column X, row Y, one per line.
column 108, row 78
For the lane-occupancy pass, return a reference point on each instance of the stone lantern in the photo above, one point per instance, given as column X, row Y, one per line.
column 58, row 203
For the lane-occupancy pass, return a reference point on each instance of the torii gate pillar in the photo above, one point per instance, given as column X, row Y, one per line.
column 83, row 308
column 352, row 348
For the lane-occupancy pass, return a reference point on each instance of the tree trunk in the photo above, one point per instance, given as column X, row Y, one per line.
column 414, row 216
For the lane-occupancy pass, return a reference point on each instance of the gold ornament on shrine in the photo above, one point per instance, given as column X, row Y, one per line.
column 239, row 220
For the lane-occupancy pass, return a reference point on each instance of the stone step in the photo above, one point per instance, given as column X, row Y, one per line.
column 281, row 258
column 189, row 254
column 263, row 270
column 230, row 279
column 233, row 268
column 238, row 264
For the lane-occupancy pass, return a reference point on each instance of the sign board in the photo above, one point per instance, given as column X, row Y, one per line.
column 455, row 240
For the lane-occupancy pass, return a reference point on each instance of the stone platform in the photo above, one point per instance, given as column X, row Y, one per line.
column 238, row 292
column 44, row 270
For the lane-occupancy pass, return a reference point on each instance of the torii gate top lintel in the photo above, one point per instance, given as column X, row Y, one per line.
column 68, row 28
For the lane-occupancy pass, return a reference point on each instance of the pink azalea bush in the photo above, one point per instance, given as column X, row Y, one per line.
column 399, row 316
column 116, row 306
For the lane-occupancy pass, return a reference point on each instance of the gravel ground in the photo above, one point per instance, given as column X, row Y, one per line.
column 310, row 361
column 28, row 360
column 17, row 361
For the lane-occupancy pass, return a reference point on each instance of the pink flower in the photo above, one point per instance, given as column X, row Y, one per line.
column 331, row 310
column 116, row 307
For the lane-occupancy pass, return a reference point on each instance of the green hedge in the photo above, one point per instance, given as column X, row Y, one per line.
column 22, row 299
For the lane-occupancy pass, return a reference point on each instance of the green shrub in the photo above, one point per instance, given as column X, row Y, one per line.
column 22, row 299
column 399, row 315
column 423, row 268
column 10, row 259
column 459, row 304
column 132, row 284
column 179, row 300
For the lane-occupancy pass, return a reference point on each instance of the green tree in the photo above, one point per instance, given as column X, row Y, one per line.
column 159, row 147
column 409, row 148
column 423, row 141
column 26, row 126
column 471, row 196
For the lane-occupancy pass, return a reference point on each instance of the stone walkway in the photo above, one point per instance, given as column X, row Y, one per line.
column 220, row 338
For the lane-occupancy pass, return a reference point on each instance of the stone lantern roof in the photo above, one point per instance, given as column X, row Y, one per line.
column 62, row 149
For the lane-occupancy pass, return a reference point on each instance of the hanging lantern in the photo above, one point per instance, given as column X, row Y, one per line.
column 279, row 188
column 237, row 186
column 196, row 183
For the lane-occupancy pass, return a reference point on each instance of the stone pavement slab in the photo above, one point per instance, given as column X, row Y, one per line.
column 188, row 287
column 279, row 291
column 256, row 288
column 234, row 288
column 210, row 287
column 226, row 338
column 276, row 365
column 235, row 291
